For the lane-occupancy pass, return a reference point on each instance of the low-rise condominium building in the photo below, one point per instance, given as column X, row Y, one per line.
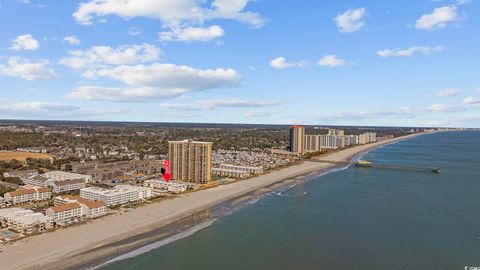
column 29, row 195
column 24, row 221
column 121, row 194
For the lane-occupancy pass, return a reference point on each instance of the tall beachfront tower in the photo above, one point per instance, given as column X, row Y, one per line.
column 297, row 139
column 190, row 161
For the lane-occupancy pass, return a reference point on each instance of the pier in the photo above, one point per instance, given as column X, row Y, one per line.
column 368, row 164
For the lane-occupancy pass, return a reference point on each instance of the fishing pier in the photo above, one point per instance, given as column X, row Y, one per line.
column 368, row 164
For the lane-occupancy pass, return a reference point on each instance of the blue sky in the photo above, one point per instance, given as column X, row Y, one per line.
column 395, row 63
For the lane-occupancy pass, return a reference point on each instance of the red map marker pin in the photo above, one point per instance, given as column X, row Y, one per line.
column 166, row 166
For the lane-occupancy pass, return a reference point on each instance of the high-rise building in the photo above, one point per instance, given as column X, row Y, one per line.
column 336, row 132
column 312, row 143
column 190, row 161
column 297, row 139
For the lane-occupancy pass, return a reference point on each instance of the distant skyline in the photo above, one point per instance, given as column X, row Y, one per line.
column 349, row 62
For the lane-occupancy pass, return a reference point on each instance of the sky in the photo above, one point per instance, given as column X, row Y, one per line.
column 345, row 62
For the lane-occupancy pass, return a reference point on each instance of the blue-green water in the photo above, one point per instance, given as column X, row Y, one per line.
column 360, row 219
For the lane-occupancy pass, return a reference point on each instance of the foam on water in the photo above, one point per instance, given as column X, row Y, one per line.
column 161, row 243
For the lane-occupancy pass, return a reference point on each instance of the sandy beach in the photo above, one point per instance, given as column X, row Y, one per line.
column 55, row 250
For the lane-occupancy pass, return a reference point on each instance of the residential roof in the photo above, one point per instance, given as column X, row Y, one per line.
column 69, row 182
column 20, row 192
column 86, row 202
column 65, row 207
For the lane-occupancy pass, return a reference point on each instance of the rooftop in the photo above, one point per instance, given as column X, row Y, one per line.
column 65, row 207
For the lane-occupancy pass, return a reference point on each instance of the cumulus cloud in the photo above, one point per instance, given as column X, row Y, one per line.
column 439, row 18
column 281, row 63
column 331, row 60
column 28, row 69
column 154, row 82
column 99, row 56
column 72, row 40
column 174, row 15
column 190, row 34
column 449, row 92
column 212, row 104
column 351, row 20
column 409, row 51
column 471, row 101
column 25, row 43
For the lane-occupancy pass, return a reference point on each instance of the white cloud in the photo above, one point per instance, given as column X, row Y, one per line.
column 257, row 113
column 439, row 18
column 72, row 40
column 478, row 89
column 471, row 101
column 171, row 13
column 45, row 110
column 331, row 60
column 154, row 82
column 441, row 108
column 351, row 20
column 409, row 51
column 190, row 34
column 212, row 104
column 25, row 42
column 105, row 55
column 449, row 92
column 27, row 69
column 280, row 63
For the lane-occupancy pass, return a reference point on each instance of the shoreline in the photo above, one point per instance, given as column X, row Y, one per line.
column 109, row 237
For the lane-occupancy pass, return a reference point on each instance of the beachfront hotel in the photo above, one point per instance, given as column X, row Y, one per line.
column 24, row 221
column 90, row 209
column 335, row 139
column 297, row 139
column 66, row 213
column 159, row 186
column 191, row 161
column 34, row 194
column 121, row 194
column 367, row 137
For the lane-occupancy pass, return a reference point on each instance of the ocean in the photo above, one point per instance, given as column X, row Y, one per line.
column 352, row 218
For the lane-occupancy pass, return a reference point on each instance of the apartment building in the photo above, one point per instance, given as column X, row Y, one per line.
column 249, row 169
column 121, row 194
column 236, row 174
column 159, row 186
column 62, row 176
column 21, row 174
column 67, row 185
column 35, row 180
column 65, row 214
column 191, row 161
column 2, row 202
column 24, row 221
column 90, row 209
column 297, row 139
column 34, row 194
column 367, row 137
column 336, row 132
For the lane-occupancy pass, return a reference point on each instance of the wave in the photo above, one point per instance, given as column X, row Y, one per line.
column 147, row 248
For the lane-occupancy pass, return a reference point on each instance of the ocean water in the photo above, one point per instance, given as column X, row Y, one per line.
column 356, row 218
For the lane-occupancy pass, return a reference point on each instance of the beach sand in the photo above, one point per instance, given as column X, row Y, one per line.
column 71, row 247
